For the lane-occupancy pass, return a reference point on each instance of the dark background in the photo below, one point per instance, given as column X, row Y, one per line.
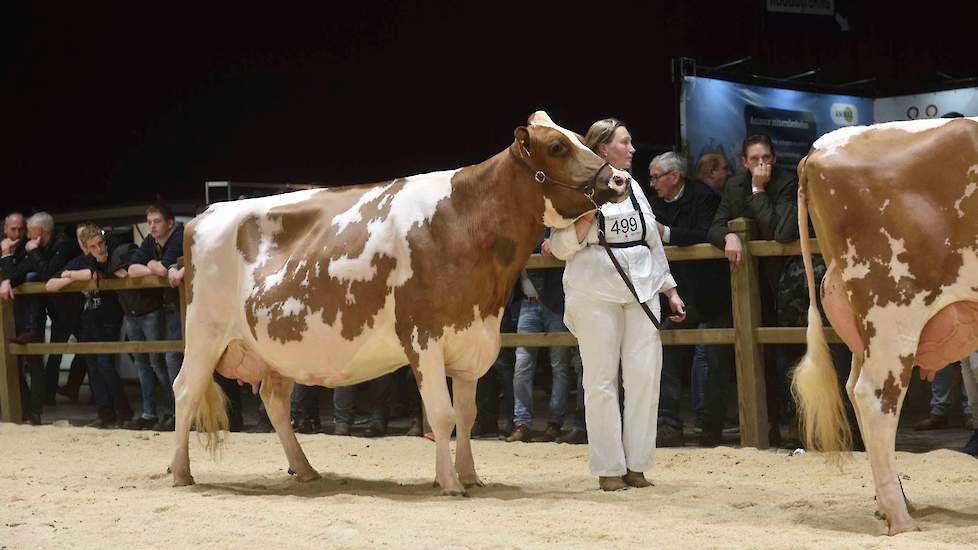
column 110, row 104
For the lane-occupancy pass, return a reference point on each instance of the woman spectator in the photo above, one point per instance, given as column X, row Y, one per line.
column 611, row 324
column 101, row 321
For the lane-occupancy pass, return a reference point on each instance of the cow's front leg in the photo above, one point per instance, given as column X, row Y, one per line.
column 430, row 374
column 275, row 392
column 878, row 398
column 463, row 399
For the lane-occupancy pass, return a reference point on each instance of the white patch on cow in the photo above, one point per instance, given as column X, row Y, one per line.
column 832, row 191
column 968, row 191
column 414, row 204
column 352, row 214
column 292, row 306
column 274, row 279
column 897, row 268
column 831, row 142
column 552, row 218
column 885, row 204
column 973, row 170
column 540, row 118
column 854, row 267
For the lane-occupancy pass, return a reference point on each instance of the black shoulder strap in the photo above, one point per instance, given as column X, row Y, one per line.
column 624, row 277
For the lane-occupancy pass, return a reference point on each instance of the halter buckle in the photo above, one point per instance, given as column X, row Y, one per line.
column 540, row 176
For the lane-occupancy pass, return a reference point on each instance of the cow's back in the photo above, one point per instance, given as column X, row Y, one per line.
column 306, row 276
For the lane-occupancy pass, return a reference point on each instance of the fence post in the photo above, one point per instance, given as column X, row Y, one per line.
column 745, row 292
column 9, row 373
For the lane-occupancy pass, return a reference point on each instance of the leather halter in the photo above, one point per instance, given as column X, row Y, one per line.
column 541, row 177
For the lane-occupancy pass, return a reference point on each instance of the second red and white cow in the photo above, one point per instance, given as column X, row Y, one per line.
column 336, row 286
column 896, row 212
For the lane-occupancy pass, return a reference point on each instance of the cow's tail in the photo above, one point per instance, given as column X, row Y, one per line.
column 815, row 384
column 211, row 416
column 211, row 419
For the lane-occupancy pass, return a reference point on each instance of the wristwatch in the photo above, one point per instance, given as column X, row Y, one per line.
column 756, row 190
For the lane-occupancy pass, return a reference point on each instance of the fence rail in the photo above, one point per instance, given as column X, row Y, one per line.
column 747, row 334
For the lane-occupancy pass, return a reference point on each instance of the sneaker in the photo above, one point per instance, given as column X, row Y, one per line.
column 550, row 435
column 971, row 447
column 141, row 423
column 101, row 423
column 932, row 422
column 521, row 433
column 576, row 436
column 166, row 424
column 669, row 436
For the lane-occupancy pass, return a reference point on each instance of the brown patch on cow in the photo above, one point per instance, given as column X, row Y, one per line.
column 889, row 394
column 504, row 249
column 189, row 270
column 920, row 178
column 249, row 239
column 307, row 240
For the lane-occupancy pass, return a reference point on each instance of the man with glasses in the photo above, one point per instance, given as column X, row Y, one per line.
column 768, row 194
column 684, row 210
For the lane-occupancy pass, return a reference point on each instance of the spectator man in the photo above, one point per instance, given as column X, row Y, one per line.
column 768, row 194
column 713, row 170
column 45, row 255
column 684, row 210
column 541, row 310
column 158, row 255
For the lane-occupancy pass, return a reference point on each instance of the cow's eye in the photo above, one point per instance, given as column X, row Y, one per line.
column 557, row 148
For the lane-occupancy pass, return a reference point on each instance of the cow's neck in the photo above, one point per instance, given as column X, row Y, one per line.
column 503, row 205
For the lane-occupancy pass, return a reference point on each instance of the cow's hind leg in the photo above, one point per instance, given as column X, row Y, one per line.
column 879, row 394
column 430, row 374
column 196, row 394
column 275, row 392
column 463, row 397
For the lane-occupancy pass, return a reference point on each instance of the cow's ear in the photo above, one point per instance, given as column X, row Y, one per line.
column 522, row 135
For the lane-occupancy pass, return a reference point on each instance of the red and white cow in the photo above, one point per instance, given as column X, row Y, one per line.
column 336, row 286
column 896, row 213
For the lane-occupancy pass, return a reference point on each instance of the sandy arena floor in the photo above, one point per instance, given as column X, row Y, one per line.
column 68, row 487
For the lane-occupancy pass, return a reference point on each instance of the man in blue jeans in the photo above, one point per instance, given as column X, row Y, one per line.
column 157, row 255
column 144, row 322
column 541, row 310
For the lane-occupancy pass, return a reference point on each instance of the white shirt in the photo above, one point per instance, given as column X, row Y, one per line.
column 590, row 271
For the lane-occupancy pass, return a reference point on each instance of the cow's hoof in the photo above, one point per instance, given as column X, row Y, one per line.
column 305, row 477
column 468, row 484
column 183, row 481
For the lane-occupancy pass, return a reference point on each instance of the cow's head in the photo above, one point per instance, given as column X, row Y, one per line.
column 573, row 178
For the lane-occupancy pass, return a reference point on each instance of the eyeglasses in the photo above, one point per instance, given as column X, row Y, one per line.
column 655, row 177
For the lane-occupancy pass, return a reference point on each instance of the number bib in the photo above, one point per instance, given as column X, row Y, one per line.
column 623, row 228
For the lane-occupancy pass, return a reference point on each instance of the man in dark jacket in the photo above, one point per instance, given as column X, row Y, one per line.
column 768, row 194
column 157, row 254
column 684, row 209
column 45, row 256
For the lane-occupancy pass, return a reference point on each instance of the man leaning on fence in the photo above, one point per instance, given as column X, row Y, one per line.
column 157, row 254
column 45, row 254
column 684, row 209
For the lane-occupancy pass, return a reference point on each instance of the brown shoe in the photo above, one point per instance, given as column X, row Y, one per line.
column 667, row 436
column 612, row 483
column 550, row 435
column 376, row 429
column 932, row 422
column 521, row 433
column 341, row 428
column 28, row 336
column 636, row 479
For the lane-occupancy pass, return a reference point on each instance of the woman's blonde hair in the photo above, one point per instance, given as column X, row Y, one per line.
column 602, row 132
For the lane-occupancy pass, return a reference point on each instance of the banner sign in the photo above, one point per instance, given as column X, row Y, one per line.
column 716, row 116
column 930, row 105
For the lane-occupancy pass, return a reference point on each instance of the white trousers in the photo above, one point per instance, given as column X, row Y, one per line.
column 608, row 333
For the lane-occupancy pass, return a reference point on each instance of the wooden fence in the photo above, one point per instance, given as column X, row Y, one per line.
column 747, row 334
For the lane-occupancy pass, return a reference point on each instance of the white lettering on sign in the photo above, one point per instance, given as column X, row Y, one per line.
column 807, row 7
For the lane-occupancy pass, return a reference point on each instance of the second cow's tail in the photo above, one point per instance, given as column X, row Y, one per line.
column 815, row 384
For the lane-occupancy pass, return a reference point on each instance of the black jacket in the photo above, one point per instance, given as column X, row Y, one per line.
column 704, row 285
column 47, row 261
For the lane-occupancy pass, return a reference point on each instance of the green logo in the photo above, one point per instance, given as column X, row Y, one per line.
column 848, row 115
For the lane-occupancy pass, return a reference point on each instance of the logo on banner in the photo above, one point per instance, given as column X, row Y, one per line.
column 844, row 114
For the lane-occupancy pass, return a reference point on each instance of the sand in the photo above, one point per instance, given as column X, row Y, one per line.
column 69, row 487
